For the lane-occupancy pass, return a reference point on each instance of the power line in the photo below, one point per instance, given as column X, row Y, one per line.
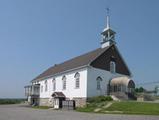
column 144, row 83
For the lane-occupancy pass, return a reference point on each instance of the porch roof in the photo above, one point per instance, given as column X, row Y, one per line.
column 122, row 81
column 58, row 95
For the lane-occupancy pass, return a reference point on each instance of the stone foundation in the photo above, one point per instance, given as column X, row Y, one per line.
column 80, row 102
column 46, row 102
column 32, row 100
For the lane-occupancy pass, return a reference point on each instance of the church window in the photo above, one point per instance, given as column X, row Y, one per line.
column 64, row 82
column 54, row 84
column 46, row 86
column 77, row 80
column 99, row 79
column 112, row 67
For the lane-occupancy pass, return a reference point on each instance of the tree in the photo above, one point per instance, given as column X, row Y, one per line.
column 139, row 90
column 156, row 89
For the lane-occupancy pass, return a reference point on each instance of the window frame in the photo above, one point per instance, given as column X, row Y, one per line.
column 46, row 85
column 98, row 80
column 77, row 80
column 54, row 84
column 64, row 82
column 112, row 67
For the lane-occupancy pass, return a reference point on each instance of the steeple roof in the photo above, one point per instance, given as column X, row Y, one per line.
column 108, row 28
column 108, row 35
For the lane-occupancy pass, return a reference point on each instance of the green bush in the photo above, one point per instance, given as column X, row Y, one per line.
column 99, row 99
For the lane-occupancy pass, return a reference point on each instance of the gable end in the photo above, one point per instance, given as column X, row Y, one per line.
column 111, row 54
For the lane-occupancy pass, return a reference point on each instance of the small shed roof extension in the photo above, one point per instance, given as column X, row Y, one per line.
column 58, row 95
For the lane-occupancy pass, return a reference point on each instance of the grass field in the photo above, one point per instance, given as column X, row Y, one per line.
column 123, row 107
column 134, row 108
column 40, row 107
column 11, row 101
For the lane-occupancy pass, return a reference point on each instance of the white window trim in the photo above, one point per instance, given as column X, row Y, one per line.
column 64, row 83
column 46, row 85
column 112, row 67
column 77, row 80
column 54, row 84
column 99, row 79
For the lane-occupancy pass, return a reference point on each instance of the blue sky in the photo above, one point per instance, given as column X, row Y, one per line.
column 36, row 34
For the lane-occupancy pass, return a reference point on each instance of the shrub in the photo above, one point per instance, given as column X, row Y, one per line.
column 99, row 99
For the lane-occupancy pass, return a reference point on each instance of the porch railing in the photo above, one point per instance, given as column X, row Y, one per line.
column 32, row 90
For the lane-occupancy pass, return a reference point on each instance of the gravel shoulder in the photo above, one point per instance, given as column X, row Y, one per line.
column 23, row 112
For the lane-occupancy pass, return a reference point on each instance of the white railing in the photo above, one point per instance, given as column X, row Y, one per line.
column 32, row 90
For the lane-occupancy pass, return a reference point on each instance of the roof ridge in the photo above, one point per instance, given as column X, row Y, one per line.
column 75, row 62
column 76, row 57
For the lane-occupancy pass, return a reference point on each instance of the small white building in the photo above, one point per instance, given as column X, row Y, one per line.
column 85, row 76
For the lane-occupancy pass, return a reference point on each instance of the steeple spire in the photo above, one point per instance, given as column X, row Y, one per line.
column 108, row 35
column 108, row 24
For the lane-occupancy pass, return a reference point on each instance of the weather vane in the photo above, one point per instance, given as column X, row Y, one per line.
column 107, row 10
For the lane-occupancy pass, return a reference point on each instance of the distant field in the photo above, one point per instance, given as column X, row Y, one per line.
column 11, row 101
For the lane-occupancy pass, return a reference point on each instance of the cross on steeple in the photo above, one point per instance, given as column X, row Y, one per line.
column 107, row 18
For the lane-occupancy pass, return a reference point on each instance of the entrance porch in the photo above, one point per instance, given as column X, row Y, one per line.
column 122, row 87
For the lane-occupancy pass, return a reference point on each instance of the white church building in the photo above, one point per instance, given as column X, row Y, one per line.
column 102, row 71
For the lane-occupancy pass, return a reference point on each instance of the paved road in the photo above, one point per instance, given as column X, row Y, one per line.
column 19, row 112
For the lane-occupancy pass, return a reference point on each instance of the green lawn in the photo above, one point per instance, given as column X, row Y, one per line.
column 91, row 107
column 40, row 107
column 125, row 107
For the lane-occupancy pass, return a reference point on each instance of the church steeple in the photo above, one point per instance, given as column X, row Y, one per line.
column 108, row 35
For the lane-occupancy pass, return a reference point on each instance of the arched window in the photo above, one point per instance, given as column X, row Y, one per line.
column 46, row 87
column 77, row 80
column 64, row 82
column 99, row 79
column 54, row 84
column 112, row 67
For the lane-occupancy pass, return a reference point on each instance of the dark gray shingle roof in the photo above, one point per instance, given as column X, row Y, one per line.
column 79, row 61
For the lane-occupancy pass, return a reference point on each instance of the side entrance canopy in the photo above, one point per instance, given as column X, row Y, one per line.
column 58, row 98
column 122, row 84
column 58, row 95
